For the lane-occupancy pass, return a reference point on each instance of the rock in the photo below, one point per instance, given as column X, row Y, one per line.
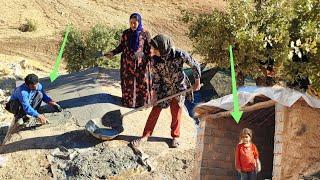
column 1, row 114
column 50, row 159
column 143, row 159
column 2, row 97
column 18, row 72
column 95, row 162
column 61, row 153
column 221, row 82
column 73, row 155
column 7, row 83
column 83, row 150
column 4, row 128
column 4, row 71
column 23, row 64
column 59, row 159
column 1, row 93
column 3, row 161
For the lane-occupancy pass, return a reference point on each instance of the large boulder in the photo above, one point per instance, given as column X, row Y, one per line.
column 221, row 82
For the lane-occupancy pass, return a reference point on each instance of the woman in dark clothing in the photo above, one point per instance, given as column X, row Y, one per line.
column 168, row 79
column 135, row 64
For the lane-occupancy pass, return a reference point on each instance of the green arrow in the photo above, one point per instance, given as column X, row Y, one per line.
column 54, row 74
column 236, row 114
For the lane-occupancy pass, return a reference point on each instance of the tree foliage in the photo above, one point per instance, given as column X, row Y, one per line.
column 278, row 33
column 82, row 46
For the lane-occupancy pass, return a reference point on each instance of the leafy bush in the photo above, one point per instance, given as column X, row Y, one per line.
column 74, row 52
column 282, row 34
column 29, row 26
column 81, row 47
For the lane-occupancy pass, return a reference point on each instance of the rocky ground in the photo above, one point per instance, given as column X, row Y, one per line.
column 63, row 149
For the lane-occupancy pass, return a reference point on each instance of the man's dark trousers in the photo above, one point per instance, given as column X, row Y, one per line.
column 15, row 107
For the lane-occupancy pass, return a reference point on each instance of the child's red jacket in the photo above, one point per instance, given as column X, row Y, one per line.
column 246, row 157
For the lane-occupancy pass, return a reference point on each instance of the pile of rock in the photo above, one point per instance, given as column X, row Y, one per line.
column 7, row 85
column 94, row 163
column 4, row 97
column 13, row 70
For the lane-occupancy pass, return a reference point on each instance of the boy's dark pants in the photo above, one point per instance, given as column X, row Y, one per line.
column 248, row 175
column 15, row 107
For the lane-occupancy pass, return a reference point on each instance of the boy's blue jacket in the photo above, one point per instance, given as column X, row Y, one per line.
column 24, row 95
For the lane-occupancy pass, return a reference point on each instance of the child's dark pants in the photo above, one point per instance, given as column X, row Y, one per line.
column 248, row 175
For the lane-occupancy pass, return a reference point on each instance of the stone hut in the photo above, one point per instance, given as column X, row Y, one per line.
column 286, row 130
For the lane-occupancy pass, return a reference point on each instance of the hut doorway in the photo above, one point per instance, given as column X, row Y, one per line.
column 262, row 123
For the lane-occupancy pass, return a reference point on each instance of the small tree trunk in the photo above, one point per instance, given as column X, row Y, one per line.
column 240, row 79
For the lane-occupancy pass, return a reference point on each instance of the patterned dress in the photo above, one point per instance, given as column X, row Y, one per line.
column 169, row 77
column 135, row 70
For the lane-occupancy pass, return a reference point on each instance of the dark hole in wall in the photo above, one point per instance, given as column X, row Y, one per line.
column 262, row 123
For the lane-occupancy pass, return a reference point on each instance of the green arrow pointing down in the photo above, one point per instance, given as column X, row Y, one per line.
column 236, row 114
column 54, row 74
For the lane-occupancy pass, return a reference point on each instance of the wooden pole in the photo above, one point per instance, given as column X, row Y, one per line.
column 254, row 107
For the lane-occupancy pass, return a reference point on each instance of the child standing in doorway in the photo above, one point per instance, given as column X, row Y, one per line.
column 247, row 156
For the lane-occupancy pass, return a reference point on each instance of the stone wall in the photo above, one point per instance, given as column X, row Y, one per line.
column 199, row 149
column 300, row 142
column 280, row 118
column 219, row 139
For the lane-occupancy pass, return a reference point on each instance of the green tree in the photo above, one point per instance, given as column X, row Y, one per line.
column 81, row 47
column 284, row 32
column 74, row 52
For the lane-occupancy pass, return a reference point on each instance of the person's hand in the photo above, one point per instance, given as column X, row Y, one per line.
column 258, row 165
column 58, row 108
column 239, row 170
column 42, row 119
column 108, row 55
column 153, row 99
column 197, row 85
column 55, row 105
column 52, row 103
